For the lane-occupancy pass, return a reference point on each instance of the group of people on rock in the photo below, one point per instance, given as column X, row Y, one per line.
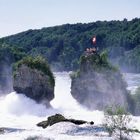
column 90, row 51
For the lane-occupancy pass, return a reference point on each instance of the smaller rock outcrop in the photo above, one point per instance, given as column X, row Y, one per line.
column 135, row 102
column 98, row 84
column 32, row 77
column 59, row 118
column 1, row 130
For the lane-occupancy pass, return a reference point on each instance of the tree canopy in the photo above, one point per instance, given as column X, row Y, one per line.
column 64, row 44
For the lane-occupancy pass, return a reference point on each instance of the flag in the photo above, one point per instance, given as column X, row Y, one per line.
column 94, row 40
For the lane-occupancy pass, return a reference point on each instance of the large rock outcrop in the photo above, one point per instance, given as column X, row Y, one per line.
column 33, row 78
column 98, row 84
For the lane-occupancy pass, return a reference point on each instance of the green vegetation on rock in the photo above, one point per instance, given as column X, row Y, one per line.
column 95, row 62
column 38, row 63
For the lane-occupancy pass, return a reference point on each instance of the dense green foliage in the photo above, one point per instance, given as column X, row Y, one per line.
column 65, row 44
column 10, row 54
column 97, row 62
column 38, row 63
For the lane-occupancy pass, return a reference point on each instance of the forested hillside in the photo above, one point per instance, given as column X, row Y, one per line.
column 63, row 45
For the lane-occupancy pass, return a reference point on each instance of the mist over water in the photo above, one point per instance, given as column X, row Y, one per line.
column 19, row 104
column 22, row 113
column 133, row 81
column 5, row 78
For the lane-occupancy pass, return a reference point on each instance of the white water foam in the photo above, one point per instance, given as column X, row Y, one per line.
column 19, row 112
column 68, row 105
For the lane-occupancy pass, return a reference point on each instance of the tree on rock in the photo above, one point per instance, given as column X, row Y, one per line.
column 98, row 84
column 33, row 77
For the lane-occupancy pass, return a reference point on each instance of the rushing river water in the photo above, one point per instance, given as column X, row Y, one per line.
column 21, row 114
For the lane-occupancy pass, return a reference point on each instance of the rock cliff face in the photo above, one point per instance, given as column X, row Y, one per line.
column 34, row 83
column 98, row 84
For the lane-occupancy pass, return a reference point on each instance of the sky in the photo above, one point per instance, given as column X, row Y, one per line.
column 20, row 15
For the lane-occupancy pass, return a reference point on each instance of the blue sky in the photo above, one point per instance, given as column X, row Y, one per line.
column 21, row 15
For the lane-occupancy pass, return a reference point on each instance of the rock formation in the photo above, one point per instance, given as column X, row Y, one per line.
column 33, row 78
column 98, row 84
column 135, row 102
column 1, row 130
column 59, row 118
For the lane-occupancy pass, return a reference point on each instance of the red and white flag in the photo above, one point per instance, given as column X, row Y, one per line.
column 94, row 40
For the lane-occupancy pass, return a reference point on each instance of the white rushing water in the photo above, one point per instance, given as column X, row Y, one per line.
column 22, row 114
column 133, row 81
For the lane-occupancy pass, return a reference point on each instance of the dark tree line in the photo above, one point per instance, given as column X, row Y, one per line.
column 65, row 44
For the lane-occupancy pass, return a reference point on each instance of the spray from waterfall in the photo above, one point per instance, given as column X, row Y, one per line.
column 6, row 84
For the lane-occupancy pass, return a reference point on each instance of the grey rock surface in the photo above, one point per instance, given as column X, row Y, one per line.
column 33, row 83
column 98, row 90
